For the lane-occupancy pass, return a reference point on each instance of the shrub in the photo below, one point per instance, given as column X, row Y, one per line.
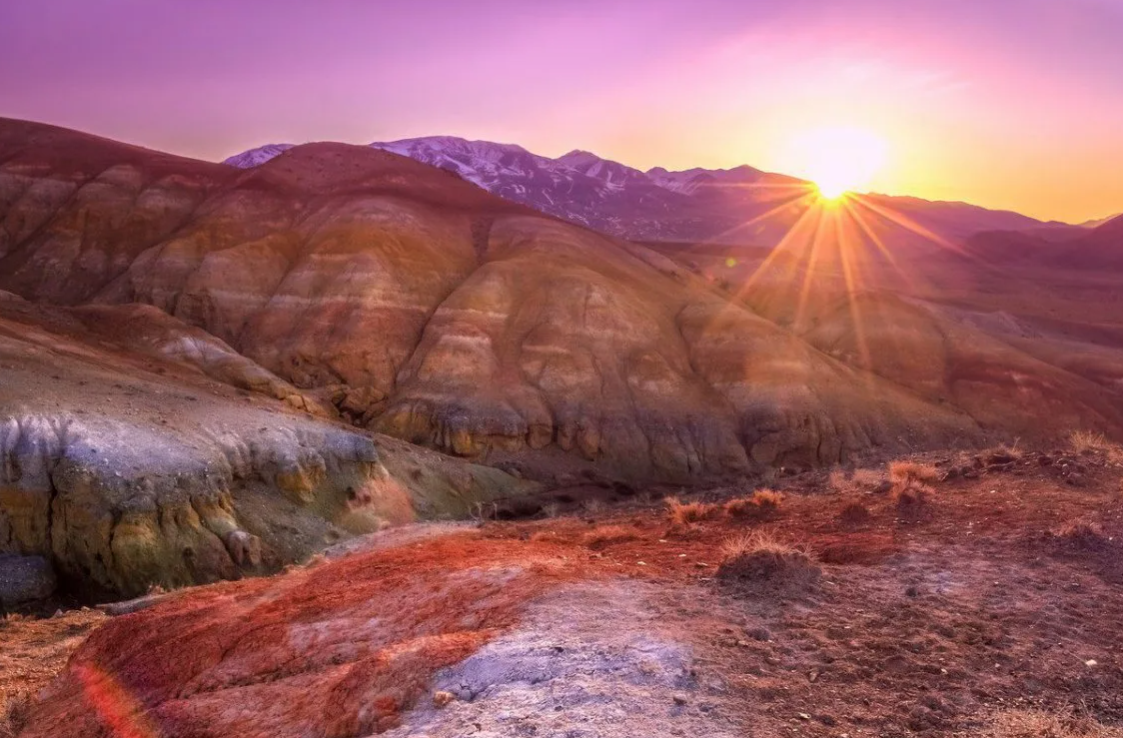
column 760, row 505
column 839, row 482
column 901, row 473
column 760, row 557
column 607, row 535
column 683, row 513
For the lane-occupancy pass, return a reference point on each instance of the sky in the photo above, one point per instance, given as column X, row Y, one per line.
column 1013, row 104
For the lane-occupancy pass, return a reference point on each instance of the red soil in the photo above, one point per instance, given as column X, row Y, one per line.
column 926, row 626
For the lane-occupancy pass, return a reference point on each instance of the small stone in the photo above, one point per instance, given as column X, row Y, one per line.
column 679, row 699
column 442, row 698
column 804, row 716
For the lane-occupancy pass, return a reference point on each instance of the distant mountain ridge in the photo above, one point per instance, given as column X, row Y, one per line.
column 587, row 189
column 738, row 205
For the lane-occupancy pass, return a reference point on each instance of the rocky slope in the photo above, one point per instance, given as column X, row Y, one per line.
column 124, row 465
column 739, row 205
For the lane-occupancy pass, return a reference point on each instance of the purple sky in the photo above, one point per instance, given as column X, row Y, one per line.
column 1008, row 103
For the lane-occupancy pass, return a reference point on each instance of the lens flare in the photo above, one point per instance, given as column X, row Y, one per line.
column 838, row 160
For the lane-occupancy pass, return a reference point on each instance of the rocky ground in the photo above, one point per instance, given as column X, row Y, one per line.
column 979, row 594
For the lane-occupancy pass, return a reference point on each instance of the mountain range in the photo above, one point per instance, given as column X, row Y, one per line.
column 739, row 205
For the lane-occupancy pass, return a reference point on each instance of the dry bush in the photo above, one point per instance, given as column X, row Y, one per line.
column 839, row 482
column 607, row 535
column 1041, row 724
column 760, row 557
column 684, row 513
column 14, row 707
column 901, row 473
column 760, row 505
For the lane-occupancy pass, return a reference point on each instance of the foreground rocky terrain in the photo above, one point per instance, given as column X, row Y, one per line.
column 985, row 607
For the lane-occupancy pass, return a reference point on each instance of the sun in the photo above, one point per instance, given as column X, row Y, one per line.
column 839, row 159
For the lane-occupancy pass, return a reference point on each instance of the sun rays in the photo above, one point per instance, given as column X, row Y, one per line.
column 834, row 252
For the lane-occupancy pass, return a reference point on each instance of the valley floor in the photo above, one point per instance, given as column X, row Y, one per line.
column 992, row 608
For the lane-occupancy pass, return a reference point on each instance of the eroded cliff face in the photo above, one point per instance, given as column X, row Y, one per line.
column 128, row 469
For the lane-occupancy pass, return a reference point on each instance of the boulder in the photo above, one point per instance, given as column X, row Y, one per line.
column 25, row 579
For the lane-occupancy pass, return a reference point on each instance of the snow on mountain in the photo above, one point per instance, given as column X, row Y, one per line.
column 657, row 205
column 258, row 156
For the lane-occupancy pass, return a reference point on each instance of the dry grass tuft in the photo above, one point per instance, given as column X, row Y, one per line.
column 1008, row 451
column 911, row 489
column 1084, row 442
column 684, row 513
column 607, row 535
column 861, row 480
column 14, row 707
column 760, row 505
column 901, row 473
column 761, row 557
column 866, row 479
column 1041, row 724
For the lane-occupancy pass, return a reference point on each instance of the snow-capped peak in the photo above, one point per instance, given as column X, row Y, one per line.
column 258, row 156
